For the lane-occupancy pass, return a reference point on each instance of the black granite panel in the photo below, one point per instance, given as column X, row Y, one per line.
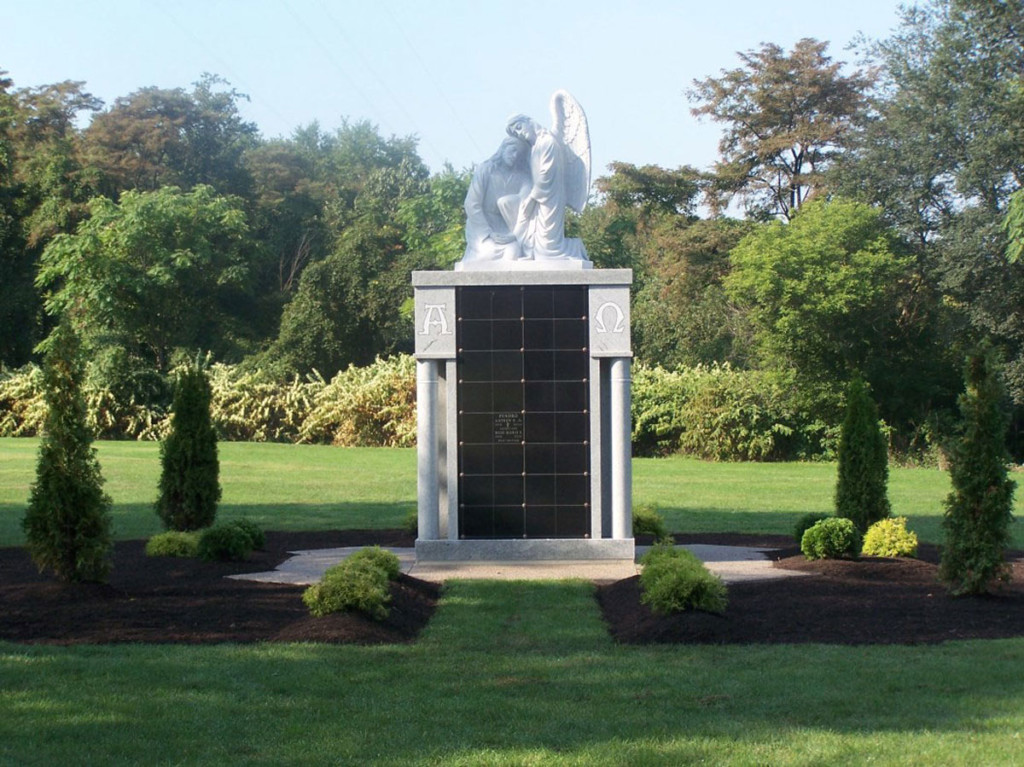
column 475, row 335
column 540, row 396
column 540, row 458
column 541, row 522
column 476, row 428
column 479, row 460
column 571, row 396
column 475, row 366
column 540, row 489
column 507, row 334
column 540, row 427
column 538, row 303
column 508, row 396
column 508, row 459
column 475, row 397
column 571, row 367
column 523, row 422
column 569, row 334
column 539, row 365
column 573, row 521
column 571, row 458
column 477, row 490
column 539, row 334
column 569, row 302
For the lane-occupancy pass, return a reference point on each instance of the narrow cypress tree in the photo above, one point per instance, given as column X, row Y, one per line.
column 979, row 510
column 67, row 524
column 189, row 486
column 861, row 493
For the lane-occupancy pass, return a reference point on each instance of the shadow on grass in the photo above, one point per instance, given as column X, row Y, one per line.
column 137, row 520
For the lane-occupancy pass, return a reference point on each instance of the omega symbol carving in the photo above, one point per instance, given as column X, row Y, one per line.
column 434, row 316
column 600, row 314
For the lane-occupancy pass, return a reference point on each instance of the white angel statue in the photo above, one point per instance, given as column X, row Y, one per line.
column 560, row 177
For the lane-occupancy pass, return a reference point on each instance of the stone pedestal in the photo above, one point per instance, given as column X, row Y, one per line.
column 523, row 407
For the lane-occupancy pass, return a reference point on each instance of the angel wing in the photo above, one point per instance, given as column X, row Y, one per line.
column 569, row 124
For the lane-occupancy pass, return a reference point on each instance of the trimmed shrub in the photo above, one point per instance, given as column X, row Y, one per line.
column 67, row 523
column 225, row 543
column 890, row 538
column 806, row 522
column 189, row 486
column 647, row 521
column 375, row 556
column 832, row 538
column 257, row 538
column 173, row 543
column 979, row 510
column 674, row 580
column 358, row 585
column 863, row 461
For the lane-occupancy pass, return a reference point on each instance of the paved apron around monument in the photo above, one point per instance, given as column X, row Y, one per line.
column 732, row 563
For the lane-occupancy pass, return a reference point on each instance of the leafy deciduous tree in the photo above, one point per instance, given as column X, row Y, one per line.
column 158, row 271
column 786, row 117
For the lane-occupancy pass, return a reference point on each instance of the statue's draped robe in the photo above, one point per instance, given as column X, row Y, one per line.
column 492, row 204
column 544, row 233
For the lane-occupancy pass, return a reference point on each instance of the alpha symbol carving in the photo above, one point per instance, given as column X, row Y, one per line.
column 600, row 314
column 434, row 316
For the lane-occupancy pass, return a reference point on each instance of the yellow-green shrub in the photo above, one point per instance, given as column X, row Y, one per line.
column 890, row 538
column 373, row 405
column 173, row 543
column 674, row 580
column 361, row 582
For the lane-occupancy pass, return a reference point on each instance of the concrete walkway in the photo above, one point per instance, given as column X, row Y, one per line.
column 732, row 563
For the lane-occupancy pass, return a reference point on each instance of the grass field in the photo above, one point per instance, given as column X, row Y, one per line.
column 307, row 487
column 506, row 673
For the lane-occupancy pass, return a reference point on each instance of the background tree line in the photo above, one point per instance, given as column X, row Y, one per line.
column 862, row 219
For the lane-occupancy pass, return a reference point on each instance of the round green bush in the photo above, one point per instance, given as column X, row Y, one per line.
column 352, row 585
column 257, row 537
column 806, row 522
column 647, row 521
column 832, row 538
column 674, row 580
column 173, row 543
column 224, row 543
column 377, row 557
column 890, row 538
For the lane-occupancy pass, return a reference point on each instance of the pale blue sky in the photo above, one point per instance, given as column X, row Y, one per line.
column 448, row 71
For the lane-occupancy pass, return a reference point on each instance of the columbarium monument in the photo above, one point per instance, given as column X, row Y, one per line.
column 522, row 368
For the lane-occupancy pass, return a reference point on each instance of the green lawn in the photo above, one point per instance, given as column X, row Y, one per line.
column 506, row 673
column 306, row 487
column 513, row 674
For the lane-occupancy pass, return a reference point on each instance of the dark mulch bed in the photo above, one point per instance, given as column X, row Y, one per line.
column 865, row 601
column 160, row 600
column 167, row 600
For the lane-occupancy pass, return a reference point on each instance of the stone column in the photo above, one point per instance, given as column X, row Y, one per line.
column 426, row 453
column 621, row 452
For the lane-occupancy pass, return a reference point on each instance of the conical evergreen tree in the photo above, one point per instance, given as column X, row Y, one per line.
column 189, row 486
column 67, row 524
column 979, row 510
column 861, row 493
